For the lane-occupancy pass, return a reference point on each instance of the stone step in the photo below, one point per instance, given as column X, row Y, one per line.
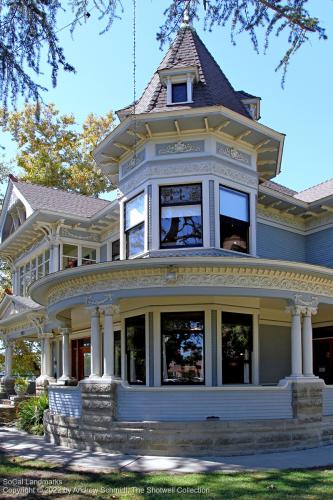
column 7, row 414
column 5, row 402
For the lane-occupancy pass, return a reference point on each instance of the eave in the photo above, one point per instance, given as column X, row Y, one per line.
column 132, row 134
column 270, row 199
column 32, row 229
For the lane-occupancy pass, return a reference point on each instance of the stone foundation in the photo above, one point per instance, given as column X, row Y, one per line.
column 98, row 430
column 211, row 438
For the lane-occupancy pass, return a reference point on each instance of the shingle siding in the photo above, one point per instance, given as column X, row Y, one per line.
column 276, row 243
column 319, row 248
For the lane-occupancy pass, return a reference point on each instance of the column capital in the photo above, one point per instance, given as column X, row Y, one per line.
column 110, row 309
column 310, row 311
column 295, row 309
column 65, row 331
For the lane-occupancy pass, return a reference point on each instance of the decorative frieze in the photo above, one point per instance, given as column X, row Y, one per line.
column 133, row 162
column 243, row 277
column 148, row 171
column 180, row 147
column 234, row 154
column 92, row 300
column 79, row 235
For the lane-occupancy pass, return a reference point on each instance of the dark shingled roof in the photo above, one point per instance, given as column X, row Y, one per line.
column 57, row 200
column 317, row 192
column 212, row 89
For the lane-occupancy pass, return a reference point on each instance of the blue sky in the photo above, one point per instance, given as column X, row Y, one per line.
column 302, row 110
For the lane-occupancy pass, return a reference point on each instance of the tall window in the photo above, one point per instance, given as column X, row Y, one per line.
column 135, row 226
column 70, row 256
column 181, row 216
column 236, row 348
column 136, row 349
column 115, row 250
column 117, row 353
column 234, row 220
column 182, row 348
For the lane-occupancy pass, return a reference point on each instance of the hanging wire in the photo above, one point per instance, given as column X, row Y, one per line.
column 134, row 82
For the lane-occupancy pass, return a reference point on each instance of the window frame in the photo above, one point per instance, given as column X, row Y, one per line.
column 146, row 351
column 142, row 223
column 185, row 84
column 203, row 333
column 79, row 246
column 161, row 206
column 239, row 221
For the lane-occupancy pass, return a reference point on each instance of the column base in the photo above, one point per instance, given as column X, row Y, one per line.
column 64, row 380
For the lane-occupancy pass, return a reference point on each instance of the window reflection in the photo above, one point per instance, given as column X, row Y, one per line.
column 182, row 348
column 136, row 349
column 181, row 217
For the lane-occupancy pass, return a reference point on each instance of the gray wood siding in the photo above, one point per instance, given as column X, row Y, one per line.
column 328, row 401
column 173, row 405
column 276, row 243
column 275, row 353
column 319, row 248
column 65, row 401
column 103, row 253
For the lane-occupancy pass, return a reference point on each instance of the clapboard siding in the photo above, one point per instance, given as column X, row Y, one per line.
column 103, row 253
column 276, row 243
column 65, row 401
column 319, row 248
column 183, row 405
column 328, row 401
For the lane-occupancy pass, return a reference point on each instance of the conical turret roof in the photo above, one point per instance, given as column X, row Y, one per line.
column 212, row 88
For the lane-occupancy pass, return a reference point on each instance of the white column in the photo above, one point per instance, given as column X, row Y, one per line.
column 47, row 357
column 9, row 359
column 65, row 354
column 95, row 370
column 54, row 257
column 108, row 341
column 307, row 342
column 255, row 353
column 296, row 341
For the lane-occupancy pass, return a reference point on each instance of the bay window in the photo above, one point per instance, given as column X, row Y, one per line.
column 135, row 226
column 136, row 349
column 234, row 220
column 182, row 348
column 181, row 216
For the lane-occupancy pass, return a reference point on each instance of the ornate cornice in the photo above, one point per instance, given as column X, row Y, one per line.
column 196, row 276
column 148, row 171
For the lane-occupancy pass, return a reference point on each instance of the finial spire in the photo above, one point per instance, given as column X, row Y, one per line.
column 186, row 15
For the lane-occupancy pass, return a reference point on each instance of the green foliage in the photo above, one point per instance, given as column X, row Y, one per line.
column 22, row 383
column 30, row 414
column 28, row 35
column 26, row 357
column 53, row 152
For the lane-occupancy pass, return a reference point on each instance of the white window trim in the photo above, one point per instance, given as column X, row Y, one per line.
column 79, row 253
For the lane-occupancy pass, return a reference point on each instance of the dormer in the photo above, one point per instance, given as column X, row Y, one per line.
column 251, row 103
column 179, row 84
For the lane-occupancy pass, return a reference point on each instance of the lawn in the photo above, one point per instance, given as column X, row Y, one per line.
column 40, row 480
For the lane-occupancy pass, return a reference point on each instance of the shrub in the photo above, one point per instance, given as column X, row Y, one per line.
column 30, row 414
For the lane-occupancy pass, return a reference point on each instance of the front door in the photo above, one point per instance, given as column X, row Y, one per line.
column 323, row 353
column 81, row 358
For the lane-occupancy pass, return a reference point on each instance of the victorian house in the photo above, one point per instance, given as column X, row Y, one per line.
column 193, row 314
